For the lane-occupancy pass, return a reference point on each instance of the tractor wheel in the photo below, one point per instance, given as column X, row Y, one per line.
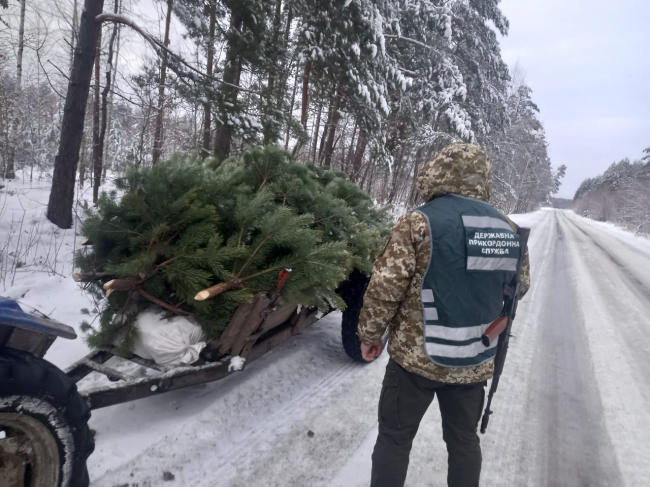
column 352, row 292
column 44, row 435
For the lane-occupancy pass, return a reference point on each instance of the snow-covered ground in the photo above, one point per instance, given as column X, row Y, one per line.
column 573, row 408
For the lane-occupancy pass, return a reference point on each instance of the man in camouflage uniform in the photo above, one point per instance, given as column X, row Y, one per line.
column 393, row 300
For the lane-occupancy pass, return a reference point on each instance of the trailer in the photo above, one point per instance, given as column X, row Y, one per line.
column 44, row 436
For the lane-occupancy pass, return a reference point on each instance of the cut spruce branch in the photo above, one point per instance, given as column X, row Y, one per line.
column 160, row 49
column 134, row 285
column 219, row 289
column 239, row 283
column 123, row 284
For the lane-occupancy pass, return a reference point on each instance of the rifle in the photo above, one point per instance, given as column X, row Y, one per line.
column 501, row 328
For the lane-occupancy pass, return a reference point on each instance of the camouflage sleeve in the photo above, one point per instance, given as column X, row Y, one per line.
column 391, row 276
column 525, row 266
column 525, row 275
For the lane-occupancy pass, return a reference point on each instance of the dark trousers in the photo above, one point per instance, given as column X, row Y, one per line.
column 405, row 397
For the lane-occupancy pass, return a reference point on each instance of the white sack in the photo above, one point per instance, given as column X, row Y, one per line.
column 171, row 342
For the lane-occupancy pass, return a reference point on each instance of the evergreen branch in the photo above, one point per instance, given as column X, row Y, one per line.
column 413, row 41
column 200, row 253
column 162, row 304
column 283, row 266
column 266, row 239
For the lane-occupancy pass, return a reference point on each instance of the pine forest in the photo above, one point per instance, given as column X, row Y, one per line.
column 202, row 146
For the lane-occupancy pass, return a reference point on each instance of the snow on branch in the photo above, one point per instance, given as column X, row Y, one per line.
column 408, row 39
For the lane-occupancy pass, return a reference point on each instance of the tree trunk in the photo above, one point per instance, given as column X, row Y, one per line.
column 398, row 169
column 96, row 120
column 334, row 122
column 82, row 163
column 73, row 34
column 339, row 136
column 228, row 95
column 290, row 114
column 316, row 131
column 368, row 177
column 416, row 169
column 99, row 161
column 109, row 162
column 160, row 114
column 271, row 129
column 143, row 131
column 348, row 158
column 207, row 107
column 305, row 94
column 326, row 129
column 362, row 142
column 287, row 69
column 59, row 210
column 10, row 172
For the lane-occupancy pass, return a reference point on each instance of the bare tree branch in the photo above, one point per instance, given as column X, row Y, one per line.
column 159, row 47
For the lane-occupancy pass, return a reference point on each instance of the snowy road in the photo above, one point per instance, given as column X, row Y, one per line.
column 572, row 410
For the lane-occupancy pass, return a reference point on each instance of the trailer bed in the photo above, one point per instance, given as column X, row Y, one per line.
column 271, row 327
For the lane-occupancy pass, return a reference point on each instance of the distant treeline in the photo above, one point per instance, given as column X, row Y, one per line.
column 621, row 194
column 561, row 203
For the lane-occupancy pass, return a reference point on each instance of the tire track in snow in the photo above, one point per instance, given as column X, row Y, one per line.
column 284, row 416
column 625, row 291
column 635, row 281
column 618, row 326
column 207, row 437
column 565, row 411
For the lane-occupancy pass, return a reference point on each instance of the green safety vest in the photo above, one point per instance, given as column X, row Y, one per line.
column 474, row 254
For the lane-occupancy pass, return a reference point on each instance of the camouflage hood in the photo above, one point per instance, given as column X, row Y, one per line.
column 461, row 169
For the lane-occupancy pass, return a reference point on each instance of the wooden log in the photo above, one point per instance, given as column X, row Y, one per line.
column 252, row 325
column 219, row 289
column 232, row 330
column 240, row 330
column 282, row 316
column 294, row 326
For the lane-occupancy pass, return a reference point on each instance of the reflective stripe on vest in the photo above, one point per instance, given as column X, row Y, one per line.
column 452, row 347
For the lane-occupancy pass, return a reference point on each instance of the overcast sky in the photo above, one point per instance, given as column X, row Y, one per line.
column 588, row 63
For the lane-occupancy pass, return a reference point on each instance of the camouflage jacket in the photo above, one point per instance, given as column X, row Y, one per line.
column 393, row 296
